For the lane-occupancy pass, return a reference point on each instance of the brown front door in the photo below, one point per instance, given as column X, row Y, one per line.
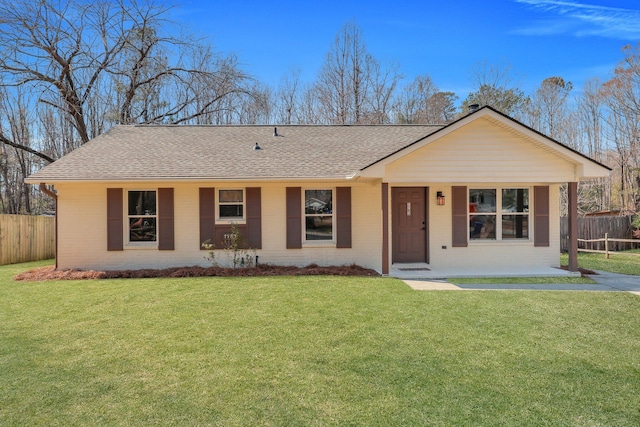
column 409, row 224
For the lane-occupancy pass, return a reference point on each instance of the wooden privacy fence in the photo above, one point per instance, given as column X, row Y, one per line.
column 591, row 232
column 26, row 238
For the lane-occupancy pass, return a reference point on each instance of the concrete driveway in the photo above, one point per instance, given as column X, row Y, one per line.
column 606, row 282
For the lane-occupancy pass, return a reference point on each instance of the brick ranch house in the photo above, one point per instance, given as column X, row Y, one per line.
column 477, row 196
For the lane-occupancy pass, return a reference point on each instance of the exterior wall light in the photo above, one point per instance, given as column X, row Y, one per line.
column 440, row 198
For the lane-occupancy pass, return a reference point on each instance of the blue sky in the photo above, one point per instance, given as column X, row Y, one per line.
column 446, row 39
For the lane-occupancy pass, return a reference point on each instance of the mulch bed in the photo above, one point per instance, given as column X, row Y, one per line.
column 583, row 271
column 49, row 273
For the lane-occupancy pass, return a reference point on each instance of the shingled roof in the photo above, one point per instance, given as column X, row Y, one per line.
column 185, row 152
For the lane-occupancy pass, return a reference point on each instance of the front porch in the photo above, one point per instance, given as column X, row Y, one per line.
column 416, row 271
column 423, row 238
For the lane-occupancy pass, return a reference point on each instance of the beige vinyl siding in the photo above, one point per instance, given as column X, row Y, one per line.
column 480, row 152
column 490, row 256
column 83, row 228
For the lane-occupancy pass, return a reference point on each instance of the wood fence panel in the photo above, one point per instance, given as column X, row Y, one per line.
column 618, row 227
column 26, row 238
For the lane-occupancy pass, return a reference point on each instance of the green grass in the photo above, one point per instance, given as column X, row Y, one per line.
column 618, row 262
column 522, row 280
column 313, row 351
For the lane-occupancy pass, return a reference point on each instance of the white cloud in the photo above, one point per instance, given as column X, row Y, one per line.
column 582, row 19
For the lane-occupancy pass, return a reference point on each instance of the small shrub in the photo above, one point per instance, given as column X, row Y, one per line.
column 211, row 254
column 237, row 252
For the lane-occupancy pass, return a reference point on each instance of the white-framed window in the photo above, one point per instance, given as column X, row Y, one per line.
column 231, row 205
column 498, row 214
column 318, row 215
column 515, row 213
column 141, row 216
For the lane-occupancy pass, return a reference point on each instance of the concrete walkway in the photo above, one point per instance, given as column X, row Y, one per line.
column 618, row 282
column 606, row 282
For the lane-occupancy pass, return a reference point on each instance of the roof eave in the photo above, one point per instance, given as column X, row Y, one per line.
column 53, row 180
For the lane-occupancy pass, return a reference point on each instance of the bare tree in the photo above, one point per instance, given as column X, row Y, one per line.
column 621, row 96
column 593, row 195
column 494, row 86
column 15, row 164
column 548, row 109
column 310, row 106
column 591, row 110
column 75, row 54
column 44, row 45
column 422, row 102
column 383, row 83
column 255, row 107
column 354, row 87
column 71, row 69
column 287, row 99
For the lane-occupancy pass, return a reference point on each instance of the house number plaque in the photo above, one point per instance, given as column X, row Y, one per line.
column 408, row 208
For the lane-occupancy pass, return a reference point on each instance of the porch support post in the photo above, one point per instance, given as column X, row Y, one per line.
column 573, row 226
column 385, row 228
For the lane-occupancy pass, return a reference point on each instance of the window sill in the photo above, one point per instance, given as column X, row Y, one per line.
column 141, row 246
column 319, row 244
column 493, row 242
column 238, row 221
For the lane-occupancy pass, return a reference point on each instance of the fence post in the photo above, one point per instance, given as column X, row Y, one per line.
column 606, row 245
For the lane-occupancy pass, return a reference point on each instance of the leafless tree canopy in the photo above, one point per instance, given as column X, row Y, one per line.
column 72, row 69
column 101, row 63
column 422, row 102
column 353, row 86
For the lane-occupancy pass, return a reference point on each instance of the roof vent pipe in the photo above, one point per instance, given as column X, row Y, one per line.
column 257, row 147
column 474, row 107
column 275, row 131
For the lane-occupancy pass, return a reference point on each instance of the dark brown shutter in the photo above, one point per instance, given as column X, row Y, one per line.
column 541, row 216
column 207, row 216
column 254, row 218
column 115, row 232
column 343, row 217
column 166, row 238
column 459, row 216
column 294, row 217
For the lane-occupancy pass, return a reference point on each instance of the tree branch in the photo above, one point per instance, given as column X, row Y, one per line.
column 9, row 142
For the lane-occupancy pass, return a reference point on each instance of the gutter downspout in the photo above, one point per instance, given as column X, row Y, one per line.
column 54, row 196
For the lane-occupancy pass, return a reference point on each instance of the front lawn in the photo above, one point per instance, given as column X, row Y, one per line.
column 312, row 351
column 567, row 280
column 619, row 262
